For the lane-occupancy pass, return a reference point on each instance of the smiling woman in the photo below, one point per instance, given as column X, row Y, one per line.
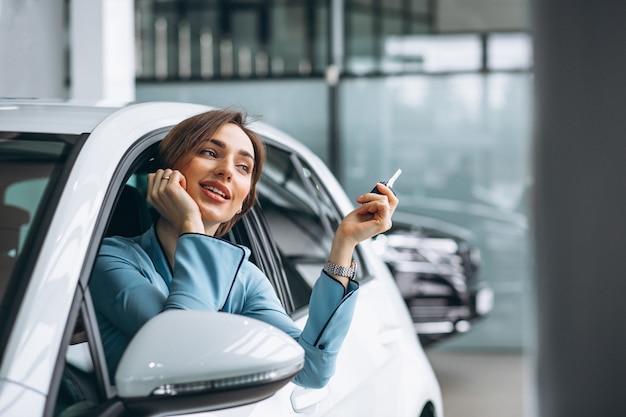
column 188, row 140
column 210, row 166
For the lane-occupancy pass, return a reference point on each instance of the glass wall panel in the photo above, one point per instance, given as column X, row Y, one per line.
column 419, row 27
column 420, row 6
column 194, row 39
column 245, row 36
column 393, row 4
column 320, row 51
column 350, row 3
column 463, row 143
column 165, row 28
column 204, row 45
column 361, row 43
column 391, row 29
column 144, row 34
column 288, row 34
column 204, row 25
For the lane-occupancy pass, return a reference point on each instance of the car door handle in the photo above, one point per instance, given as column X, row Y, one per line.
column 303, row 398
column 389, row 336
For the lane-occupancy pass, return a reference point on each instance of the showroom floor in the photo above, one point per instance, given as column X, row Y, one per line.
column 482, row 384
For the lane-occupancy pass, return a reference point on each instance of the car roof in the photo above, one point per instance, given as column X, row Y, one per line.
column 51, row 117
column 78, row 117
column 122, row 122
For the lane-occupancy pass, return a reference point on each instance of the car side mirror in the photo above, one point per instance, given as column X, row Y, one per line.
column 190, row 361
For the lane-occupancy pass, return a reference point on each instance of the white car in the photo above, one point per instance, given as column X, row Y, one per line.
column 71, row 175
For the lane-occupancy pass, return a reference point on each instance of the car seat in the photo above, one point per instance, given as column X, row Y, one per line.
column 131, row 216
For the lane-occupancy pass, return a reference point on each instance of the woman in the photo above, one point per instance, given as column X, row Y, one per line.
column 212, row 163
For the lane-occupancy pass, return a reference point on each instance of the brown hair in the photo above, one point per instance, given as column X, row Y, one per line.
column 178, row 147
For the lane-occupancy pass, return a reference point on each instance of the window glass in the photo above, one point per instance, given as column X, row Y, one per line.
column 165, row 27
column 320, row 42
column 392, row 29
column 204, row 24
column 292, row 213
column 301, row 217
column 421, row 6
column 245, row 34
column 417, row 26
column 359, row 2
column 392, row 25
column 361, row 43
column 393, row 4
column 78, row 389
column 288, row 35
column 204, row 39
column 27, row 171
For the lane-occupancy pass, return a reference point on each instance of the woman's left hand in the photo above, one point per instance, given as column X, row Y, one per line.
column 371, row 217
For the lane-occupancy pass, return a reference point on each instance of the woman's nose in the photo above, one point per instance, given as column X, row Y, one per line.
column 225, row 168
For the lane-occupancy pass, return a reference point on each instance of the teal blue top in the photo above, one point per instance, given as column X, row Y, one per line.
column 133, row 282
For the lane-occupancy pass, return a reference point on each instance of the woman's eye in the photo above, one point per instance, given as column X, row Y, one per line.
column 209, row 152
column 245, row 168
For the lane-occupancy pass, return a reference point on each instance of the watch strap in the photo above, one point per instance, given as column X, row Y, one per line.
column 342, row 271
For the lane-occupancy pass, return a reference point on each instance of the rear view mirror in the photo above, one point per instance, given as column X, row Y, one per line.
column 190, row 361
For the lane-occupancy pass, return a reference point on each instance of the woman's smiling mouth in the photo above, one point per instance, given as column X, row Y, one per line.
column 215, row 190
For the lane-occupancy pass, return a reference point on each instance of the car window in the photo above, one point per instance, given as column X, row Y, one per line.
column 80, row 381
column 30, row 165
column 301, row 217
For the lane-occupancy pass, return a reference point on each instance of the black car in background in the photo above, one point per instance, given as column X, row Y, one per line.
column 436, row 268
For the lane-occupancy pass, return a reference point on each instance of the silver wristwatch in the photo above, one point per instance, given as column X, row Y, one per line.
column 342, row 271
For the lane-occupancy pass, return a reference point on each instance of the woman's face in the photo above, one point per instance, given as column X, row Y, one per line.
column 219, row 175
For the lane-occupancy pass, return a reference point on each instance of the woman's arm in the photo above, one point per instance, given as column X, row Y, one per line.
column 330, row 314
column 371, row 218
column 123, row 290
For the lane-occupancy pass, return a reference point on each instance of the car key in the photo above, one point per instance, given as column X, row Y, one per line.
column 389, row 183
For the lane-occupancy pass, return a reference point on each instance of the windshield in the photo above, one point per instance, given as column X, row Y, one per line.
column 29, row 165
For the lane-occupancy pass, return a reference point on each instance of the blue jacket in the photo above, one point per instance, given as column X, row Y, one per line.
column 133, row 282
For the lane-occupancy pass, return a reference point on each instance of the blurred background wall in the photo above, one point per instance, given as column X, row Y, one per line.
column 442, row 89
column 439, row 88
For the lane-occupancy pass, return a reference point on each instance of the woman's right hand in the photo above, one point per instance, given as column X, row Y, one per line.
column 168, row 195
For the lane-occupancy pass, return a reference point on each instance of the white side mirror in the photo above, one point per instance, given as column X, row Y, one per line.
column 190, row 361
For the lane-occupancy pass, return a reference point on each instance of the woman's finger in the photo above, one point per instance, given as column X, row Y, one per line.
column 165, row 178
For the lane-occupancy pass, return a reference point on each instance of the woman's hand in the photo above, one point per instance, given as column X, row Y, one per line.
column 167, row 194
column 371, row 218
